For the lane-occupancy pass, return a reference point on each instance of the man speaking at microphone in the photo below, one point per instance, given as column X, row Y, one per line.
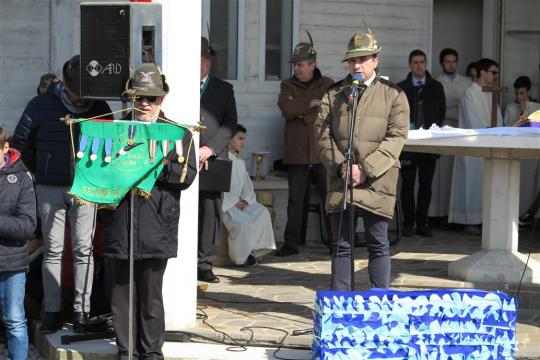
column 380, row 131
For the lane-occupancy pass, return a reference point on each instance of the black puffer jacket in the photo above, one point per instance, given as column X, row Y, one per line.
column 44, row 141
column 155, row 218
column 17, row 213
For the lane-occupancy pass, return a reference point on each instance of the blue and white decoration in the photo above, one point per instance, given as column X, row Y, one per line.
column 436, row 324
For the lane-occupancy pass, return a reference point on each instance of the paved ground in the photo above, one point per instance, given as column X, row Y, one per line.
column 264, row 305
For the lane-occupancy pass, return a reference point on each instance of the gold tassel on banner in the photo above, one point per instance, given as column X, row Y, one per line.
column 184, row 170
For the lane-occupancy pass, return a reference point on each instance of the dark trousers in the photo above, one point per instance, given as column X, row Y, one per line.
column 209, row 228
column 376, row 228
column 148, row 317
column 425, row 165
column 299, row 179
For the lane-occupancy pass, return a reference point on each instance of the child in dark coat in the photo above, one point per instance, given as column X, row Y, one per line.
column 17, row 224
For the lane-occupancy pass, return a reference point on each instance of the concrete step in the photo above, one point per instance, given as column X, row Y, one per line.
column 262, row 346
column 50, row 347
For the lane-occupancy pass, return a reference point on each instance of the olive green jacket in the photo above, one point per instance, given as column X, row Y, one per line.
column 380, row 132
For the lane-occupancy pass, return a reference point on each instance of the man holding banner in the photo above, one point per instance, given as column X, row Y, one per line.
column 155, row 209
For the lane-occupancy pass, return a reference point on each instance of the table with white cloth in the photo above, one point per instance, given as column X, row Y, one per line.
column 502, row 148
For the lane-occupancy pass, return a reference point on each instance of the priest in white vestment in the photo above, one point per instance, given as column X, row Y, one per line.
column 522, row 107
column 468, row 173
column 454, row 85
column 248, row 223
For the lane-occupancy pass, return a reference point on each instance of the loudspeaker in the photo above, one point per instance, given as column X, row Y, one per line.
column 114, row 38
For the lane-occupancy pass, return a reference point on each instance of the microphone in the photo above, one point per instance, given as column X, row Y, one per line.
column 357, row 80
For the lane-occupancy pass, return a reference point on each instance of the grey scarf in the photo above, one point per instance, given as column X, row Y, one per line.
column 85, row 105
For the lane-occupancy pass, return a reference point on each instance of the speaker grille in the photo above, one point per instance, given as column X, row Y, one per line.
column 105, row 50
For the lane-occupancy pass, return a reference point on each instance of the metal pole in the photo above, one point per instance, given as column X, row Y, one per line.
column 348, row 183
column 349, row 180
column 131, row 264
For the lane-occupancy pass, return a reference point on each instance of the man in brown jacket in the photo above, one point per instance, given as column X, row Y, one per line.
column 299, row 101
column 380, row 131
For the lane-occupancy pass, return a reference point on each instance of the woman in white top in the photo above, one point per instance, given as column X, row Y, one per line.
column 523, row 106
column 530, row 169
column 247, row 222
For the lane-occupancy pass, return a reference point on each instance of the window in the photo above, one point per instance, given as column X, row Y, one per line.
column 278, row 38
column 220, row 26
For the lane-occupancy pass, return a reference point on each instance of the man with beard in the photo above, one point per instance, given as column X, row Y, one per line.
column 154, row 227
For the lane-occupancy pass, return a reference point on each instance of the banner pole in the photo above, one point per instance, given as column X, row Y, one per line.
column 131, row 263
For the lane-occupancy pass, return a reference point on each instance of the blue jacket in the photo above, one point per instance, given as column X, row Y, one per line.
column 17, row 213
column 44, row 141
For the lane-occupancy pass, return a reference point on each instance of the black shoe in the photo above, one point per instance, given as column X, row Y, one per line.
column 286, row 250
column 407, row 231
column 251, row 261
column 50, row 323
column 79, row 322
column 472, row 230
column 424, row 231
column 207, row 276
column 526, row 219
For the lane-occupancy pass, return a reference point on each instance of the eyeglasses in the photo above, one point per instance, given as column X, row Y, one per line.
column 151, row 99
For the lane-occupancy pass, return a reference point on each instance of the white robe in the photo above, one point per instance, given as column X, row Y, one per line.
column 513, row 111
column 468, row 173
column 454, row 87
column 250, row 230
column 530, row 168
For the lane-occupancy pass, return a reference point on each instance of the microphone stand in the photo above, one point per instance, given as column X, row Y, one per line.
column 348, row 181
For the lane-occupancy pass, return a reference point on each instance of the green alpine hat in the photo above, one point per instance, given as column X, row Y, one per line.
column 148, row 80
column 206, row 49
column 304, row 51
column 44, row 81
column 362, row 44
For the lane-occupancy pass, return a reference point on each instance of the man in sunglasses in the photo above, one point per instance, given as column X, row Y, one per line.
column 155, row 229
column 474, row 113
column 428, row 106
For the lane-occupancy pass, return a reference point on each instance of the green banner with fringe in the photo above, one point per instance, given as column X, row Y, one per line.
column 114, row 156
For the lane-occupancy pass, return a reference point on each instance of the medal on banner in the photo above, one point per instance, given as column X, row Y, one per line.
column 140, row 151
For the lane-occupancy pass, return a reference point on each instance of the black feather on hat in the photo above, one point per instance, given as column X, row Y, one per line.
column 206, row 49
column 304, row 51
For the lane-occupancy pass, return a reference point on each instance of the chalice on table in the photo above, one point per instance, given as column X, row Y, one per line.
column 259, row 159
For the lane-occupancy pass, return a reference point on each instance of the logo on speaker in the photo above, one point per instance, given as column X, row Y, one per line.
column 94, row 68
